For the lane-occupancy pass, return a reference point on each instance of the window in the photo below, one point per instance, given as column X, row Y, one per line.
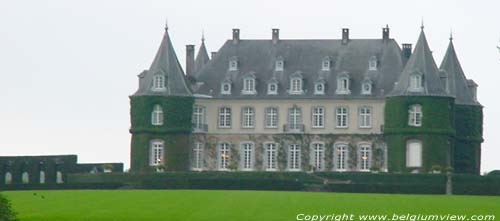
column 279, row 65
column 325, row 65
column 342, row 117
column 59, row 177
column 318, row 117
column 365, row 117
column 271, row 118
column 414, row 153
column 225, row 117
column 25, row 178
column 199, row 119
column 226, row 88
column 340, row 157
column 415, row 115
column 224, row 154
column 272, row 88
column 295, row 118
column 159, row 82
column 294, row 157
column 372, row 64
column 416, row 83
column 8, row 178
column 248, row 117
column 319, row 88
column 156, row 153
column 296, row 85
column 198, row 156
column 364, row 157
column 271, row 156
column 366, row 88
column 247, row 156
column 233, row 64
column 249, row 86
column 42, row 177
column 318, row 153
column 343, row 85
column 157, row 116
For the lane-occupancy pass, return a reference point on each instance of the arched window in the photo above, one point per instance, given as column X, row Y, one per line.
column 294, row 157
column 319, row 88
column 233, row 64
column 279, row 65
column 343, row 84
column 42, row 177
column 365, row 157
column 415, row 115
column 59, row 177
column 225, row 87
column 340, row 156
column 25, row 178
column 272, row 88
column 247, row 155
column 157, row 116
column 249, row 85
column 296, row 86
column 366, row 87
column 159, row 82
column 156, row 153
column 372, row 64
column 317, row 156
column 416, row 83
column 414, row 153
column 224, row 155
column 325, row 64
column 271, row 156
column 8, row 178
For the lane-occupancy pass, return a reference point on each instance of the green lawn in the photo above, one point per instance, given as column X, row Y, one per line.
column 175, row 205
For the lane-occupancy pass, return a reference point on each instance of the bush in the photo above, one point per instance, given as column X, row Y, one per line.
column 387, row 188
column 6, row 212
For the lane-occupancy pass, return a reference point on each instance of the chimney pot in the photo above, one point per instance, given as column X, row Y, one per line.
column 276, row 35
column 345, row 36
column 385, row 33
column 236, row 35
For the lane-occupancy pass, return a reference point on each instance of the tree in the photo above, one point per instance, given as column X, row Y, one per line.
column 6, row 212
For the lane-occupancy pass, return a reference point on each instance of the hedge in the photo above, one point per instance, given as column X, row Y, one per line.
column 388, row 188
column 386, row 178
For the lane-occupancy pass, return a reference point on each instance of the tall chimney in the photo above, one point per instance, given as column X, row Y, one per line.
column 212, row 54
column 276, row 35
column 189, row 60
column 406, row 52
column 385, row 33
column 345, row 36
column 236, row 35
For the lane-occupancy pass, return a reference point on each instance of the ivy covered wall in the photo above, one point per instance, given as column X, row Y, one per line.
column 436, row 132
column 468, row 139
column 175, row 131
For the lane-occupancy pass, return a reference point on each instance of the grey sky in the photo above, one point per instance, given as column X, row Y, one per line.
column 68, row 67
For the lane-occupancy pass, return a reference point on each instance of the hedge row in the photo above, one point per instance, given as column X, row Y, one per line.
column 388, row 188
column 386, row 178
column 476, row 185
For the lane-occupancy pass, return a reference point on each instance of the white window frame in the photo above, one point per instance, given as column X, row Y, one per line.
column 222, row 88
column 415, row 115
column 340, row 156
column 279, row 65
column 224, row 117
column 294, row 157
column 8, row 178
column 223, row 156
column 414, row 150
column 365, row 156
column 156, row 153
column 295, row 117
column 25, row 177
column 233, row 65
column 320, row 91
column 249, row 86
column 342, row 117
column 159, row 82
column 318, row 156
column 416, row 83
column 198, row 156
column 372, row 63
column 365, row 117
column 366, row 91
column 271, row 117
column 296, row 85
column 42, row 177
column 157, row 117
column 247, row 156
column 248, row 117
column 318, row 117
column 343, row 85
column 271, row 156
column 269, row 89
column 325, row 65
column 199, row 115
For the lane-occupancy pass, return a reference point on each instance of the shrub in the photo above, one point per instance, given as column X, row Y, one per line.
column 6, row 211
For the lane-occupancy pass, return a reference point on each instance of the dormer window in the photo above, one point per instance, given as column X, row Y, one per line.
column 415, row 84
column 279, row 65
column 272, row 88
column 325, row 66
column 296, row 83
column 233, row 64
column 319, row 88
column 343, row 84
column 366, row 87
column 249, row 85
column 226, row 87
column 372, row 64
column 159, row 82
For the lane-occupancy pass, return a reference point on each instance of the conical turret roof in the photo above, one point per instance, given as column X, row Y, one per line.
column 202, row 57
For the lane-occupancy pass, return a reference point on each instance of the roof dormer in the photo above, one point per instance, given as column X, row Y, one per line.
column 226, row 86
column 249, row 84
column 296, row 83
column 279, row 64
column 343, row 83
column 326, row 63
column 372, row 63
column 233, row 63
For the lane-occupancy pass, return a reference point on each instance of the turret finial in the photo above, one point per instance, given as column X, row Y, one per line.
column 166, row 24
column 422, row 24
column 451, row 35
column 202, row 35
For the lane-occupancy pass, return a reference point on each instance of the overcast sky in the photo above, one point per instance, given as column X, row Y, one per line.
column 68, row 67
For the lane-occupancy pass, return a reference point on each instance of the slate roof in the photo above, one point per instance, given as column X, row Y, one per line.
column 202, row 57
column 421, row 61
column 167, row 64
column 305, row 57
column 457, row 82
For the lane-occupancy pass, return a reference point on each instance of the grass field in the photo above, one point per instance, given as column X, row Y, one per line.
column 176, row 205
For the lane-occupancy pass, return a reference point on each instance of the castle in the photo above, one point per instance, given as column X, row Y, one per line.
column 306, row 105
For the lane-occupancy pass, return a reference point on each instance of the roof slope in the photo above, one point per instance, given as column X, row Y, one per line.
column 202, row 58
column 456, row 80
column 304, row 57
column 167, row 64
column 422, row 62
